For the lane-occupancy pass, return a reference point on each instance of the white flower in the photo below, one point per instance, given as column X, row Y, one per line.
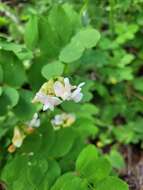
column 58, row 120
column 63, row 120
column 35, row 122
column 63, row 90
column 68, row 92
column 76, row 94
column 53, row 93
column 49, row 102
column 18, row 137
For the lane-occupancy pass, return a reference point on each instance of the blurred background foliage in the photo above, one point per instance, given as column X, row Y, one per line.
column 110, row 115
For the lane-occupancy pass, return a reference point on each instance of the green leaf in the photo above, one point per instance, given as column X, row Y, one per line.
column 12, row 95
column 22, row 182
column 84, row 39
column 69, row 181
column 87, row 154
column 15, row 166
column 13, row 70
column 37, row 170
column 34, row 74
column 87, row 37
column 52, row 174
column 59, row 20
column 73, row 16
column 90, row 166
column 31, row 32
column 71, row 52
column 8, row 99
column 112, row 183
column 48, row 39
column 48, row 138
column 32, row 143
column 25, row 110
column 116, row 159
column 54, row 69
column 20, row 51
column 65, row 135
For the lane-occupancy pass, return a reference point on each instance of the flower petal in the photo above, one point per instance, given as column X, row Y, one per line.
column 77, row 95
column 58, row 88
column 18, row 137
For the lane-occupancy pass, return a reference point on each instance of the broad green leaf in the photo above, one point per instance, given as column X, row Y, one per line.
column 13, row 169
column 116, row 159
column 31, row 32
column 64, row 140
column 70, row 181
column 112, row 183
column 35, row 77
column 22, row 182
column 87, row 37
column 20, row 50
column 13, row 70
column 48, row 39
column 86, row 127
column 92, row 167
column 48, row 138
column 61, row 23
column 71, row 52
column 37, row 170
column 25, row 110
column 90, row 108
column 32, row 143
column 9, row 46
column 73, row 16
column 97, row 170
column 72, row 155
column 51, row 70
column 88, row 153
column 12, row 95
column 8, row 99
column 51, row 175
column 84, row 39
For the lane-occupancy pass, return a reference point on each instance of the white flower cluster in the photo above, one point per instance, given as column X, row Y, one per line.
column 53, row 93
column 63, row 120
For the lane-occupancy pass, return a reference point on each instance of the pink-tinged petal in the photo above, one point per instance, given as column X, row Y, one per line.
column 77, row 95
column 58, row 88
column 55, row 101
column 49, row 102
column 41, row 97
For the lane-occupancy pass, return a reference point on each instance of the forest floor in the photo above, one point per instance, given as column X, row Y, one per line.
column 133, row 173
